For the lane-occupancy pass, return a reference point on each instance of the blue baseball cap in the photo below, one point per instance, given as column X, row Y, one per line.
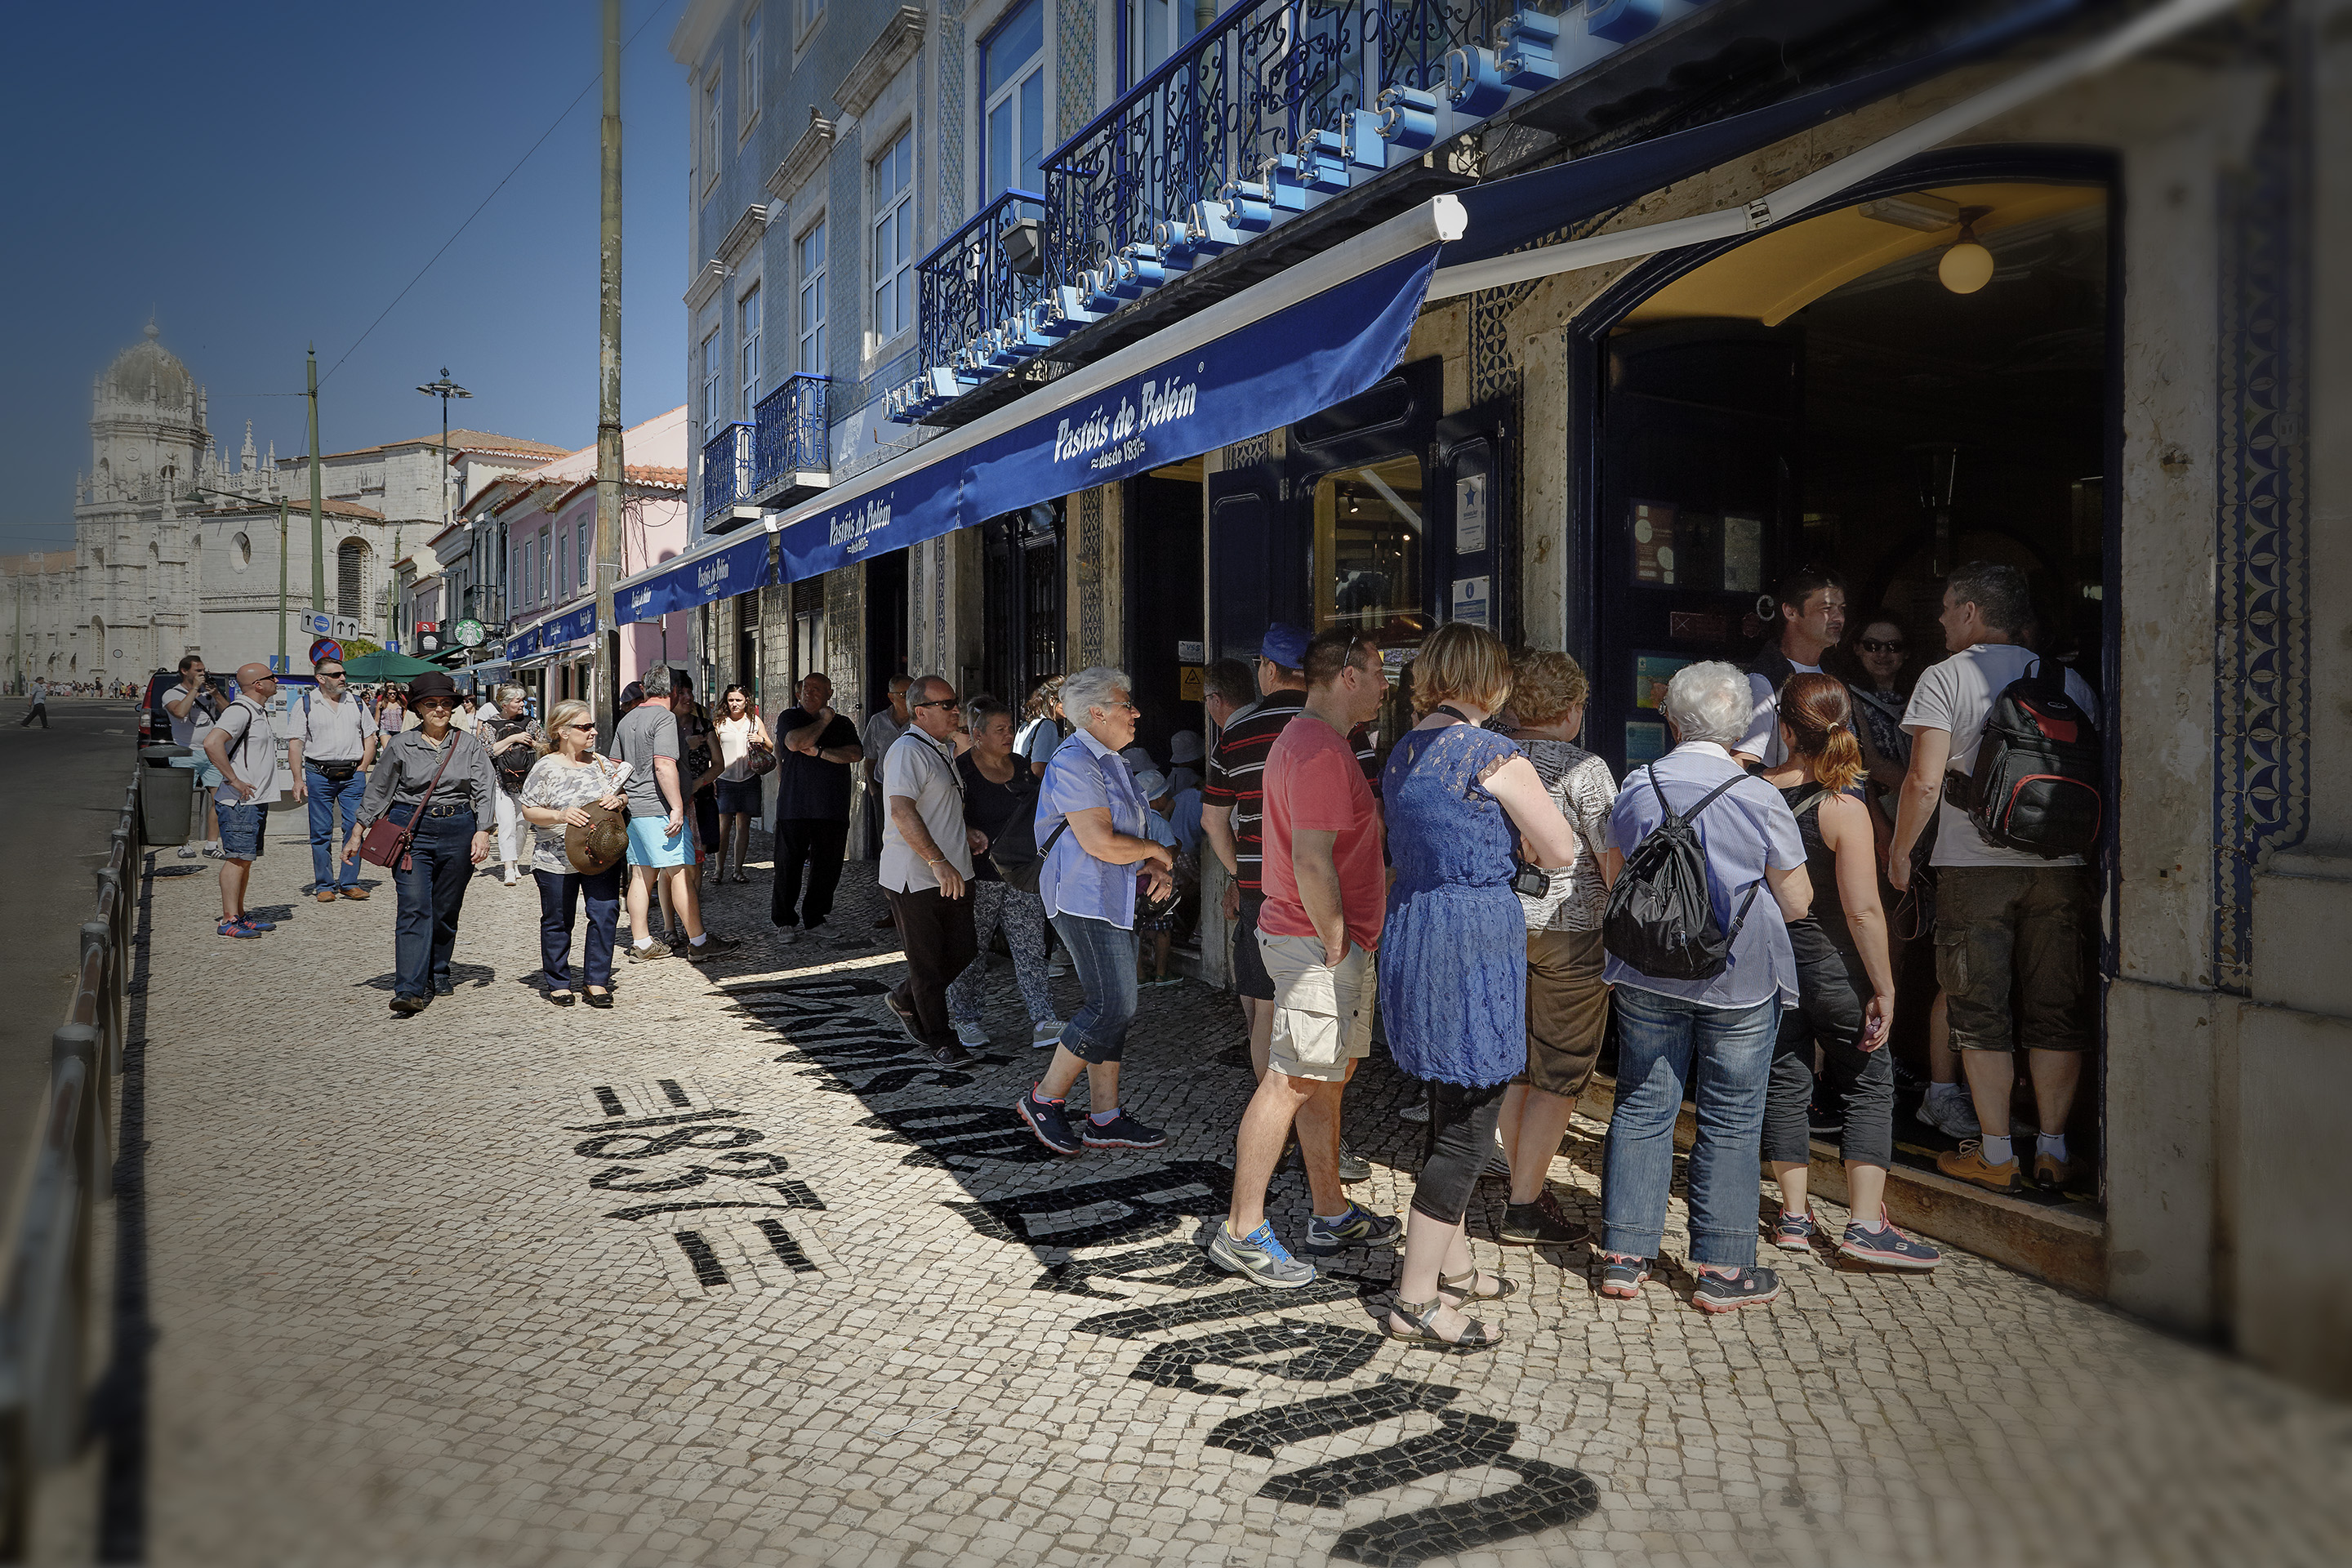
column 1286, row 644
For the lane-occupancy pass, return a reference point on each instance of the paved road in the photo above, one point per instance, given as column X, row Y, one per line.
column 723, row 1277
column 63, row 788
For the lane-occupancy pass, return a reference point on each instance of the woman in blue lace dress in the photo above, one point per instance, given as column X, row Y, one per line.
column 1454, row 956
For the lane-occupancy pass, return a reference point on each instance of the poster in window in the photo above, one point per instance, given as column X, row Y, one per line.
column 1644, row 743
column 1651, row 673
column 1743, row 553
column 1653, row 542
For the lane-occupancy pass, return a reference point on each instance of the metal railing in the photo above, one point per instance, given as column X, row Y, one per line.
column 790, row 431
column 46, row 1308
column 991, row 267
column 727, row 467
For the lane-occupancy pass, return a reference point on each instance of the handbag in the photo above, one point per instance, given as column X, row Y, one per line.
column 761, row 758
column 386, row 843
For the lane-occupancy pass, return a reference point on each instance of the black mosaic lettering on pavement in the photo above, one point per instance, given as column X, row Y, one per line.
column 656, row 1121
column 1188, row 1267
column 834, row 988
column 610, row 1101
column 1309, row 1353
column 1463, row 1439
column 1260, row 1432
column 672, row 1092
column 1548, row 1497
column 942, row 1133
column 707, row 1266
column 785, row 1246
column 891, row 1081
column 1248, row 1301
column 1152, row 1203
column 609, row 1146
column 798, row 1197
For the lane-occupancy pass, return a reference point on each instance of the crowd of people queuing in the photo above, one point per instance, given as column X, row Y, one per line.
column 1473, row 883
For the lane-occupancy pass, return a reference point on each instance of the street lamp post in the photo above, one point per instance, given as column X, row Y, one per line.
column 444, row 389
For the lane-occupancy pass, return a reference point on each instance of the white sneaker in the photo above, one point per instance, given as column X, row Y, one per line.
column 189, row 851
column 212, row 849
column 788, row 934
column 972, row 1037
column 1046, row 1035
column 1953, row 1115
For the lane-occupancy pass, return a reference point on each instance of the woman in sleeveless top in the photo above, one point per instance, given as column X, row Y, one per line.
column 1845, row 986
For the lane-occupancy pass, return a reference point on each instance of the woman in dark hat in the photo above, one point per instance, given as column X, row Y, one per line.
column 450, row 835
column 568, row 778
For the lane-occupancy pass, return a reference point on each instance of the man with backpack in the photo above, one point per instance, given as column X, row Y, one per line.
column 1698, row 989
column 2004, row 761
column 243, row 748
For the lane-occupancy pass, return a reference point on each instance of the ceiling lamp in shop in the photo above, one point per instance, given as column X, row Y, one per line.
column 1966, row 267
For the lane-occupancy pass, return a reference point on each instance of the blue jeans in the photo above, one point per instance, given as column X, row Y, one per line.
column 326, row 837
column 560, row 896
column 432, row 893
column 1664, row 1044
column 1103, row 957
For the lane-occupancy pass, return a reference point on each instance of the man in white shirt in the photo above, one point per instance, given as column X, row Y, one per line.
column 190, row 707
column 330, row 752
column 926, row 863
column 243, row 748
column 38, row 692
column 1999, row 912
column 877, row 735
column 1813, row 618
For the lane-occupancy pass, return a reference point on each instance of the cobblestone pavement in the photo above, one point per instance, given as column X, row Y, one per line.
column 723, row 1275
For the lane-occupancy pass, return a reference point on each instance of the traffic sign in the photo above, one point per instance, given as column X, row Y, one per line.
column 325, row 649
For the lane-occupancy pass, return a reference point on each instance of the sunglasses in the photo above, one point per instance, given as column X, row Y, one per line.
column 942, row 703
column 1872, row 644
column 590, row 728
column 331, row 675
column 424, row 702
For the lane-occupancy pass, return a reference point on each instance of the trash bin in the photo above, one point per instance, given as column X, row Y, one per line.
column 167, row 796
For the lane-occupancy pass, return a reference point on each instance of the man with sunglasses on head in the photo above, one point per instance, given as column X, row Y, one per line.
column 330, row 754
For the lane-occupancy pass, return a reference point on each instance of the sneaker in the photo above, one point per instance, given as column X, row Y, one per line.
column 1259, row 1256
column 1121, row 1132
column 2052, row 1175
column 648, row 953
column 1968, row 1164
column 1621, row 1278
column 1416, row 1111
column 1353, row 1167
column 1046, row 1035
column 258, row 923
column 1356, row 1227
column 1886, row 1247
column 1797, row 1232
column 972, row 1037
column 788, row 934
column 1541, row 1223
column 1729, row 1292
column 1953, row 1115
column 712, row 945
column 951, row 1055
column 212, row 850
column 236, row 929
column 189, row 851
column 1049, row 1120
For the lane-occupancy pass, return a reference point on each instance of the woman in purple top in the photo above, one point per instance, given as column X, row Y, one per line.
column 1089, row 884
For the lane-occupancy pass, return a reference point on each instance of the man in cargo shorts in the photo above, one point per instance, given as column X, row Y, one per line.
column 2000, row 914
column 1326, row 891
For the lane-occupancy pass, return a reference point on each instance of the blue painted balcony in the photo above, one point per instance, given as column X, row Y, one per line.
column 791, row 442
column 729, row 499
column 976, row 286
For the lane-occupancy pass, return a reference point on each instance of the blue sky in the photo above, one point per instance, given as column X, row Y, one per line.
column 264, row 176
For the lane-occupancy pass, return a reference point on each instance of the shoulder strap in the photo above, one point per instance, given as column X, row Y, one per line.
column 448, row 751
column 1705, row 801
column 1810, row 801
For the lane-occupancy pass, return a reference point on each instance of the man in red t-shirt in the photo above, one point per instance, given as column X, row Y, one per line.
column 1325, row 895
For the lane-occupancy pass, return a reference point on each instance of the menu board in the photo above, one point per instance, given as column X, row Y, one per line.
column 1651, row 673
column 1653, row 542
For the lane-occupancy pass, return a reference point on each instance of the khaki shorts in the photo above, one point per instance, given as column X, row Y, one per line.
column 2021, row 928
column 1567, row 1010
column 1322, row 1014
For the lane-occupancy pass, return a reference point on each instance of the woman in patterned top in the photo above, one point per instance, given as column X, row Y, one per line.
column 1568, row 1002
column 562, row 784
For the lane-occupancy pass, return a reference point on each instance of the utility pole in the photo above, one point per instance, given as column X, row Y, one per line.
column 318, row 522
column 444, row 389
column 281, row 582
column 608, row 385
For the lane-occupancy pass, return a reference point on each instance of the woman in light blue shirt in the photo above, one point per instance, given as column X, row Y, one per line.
column 1090, row 830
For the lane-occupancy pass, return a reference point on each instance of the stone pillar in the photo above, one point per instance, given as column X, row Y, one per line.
column 1095, row 631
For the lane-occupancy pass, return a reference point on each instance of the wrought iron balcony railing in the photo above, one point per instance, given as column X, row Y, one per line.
column 727, row 470
column 978, row 276
column 790, row 445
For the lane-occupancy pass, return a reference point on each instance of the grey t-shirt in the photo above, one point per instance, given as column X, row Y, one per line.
column 645, row 731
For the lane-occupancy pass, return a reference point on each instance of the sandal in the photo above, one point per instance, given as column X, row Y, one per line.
column 1475, row 1335
column 1467, row 1286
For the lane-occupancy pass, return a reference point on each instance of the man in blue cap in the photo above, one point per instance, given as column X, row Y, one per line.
column 1232, row 820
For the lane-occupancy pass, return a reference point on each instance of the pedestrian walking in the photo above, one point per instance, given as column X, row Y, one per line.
column 1452, row 988
column 330, row 754
column 36, row 696
column 997, row 786
column 648, row 740
column 1089, row 828
column 1710, row 1036
column 1567, row 1001
column 566, row 778
column 925, row 868
column 874, row 738
column 1320, row 926
column 743, row 738
column 437, row 782
column 1845, row 987
column 192, row 708
column 242, row 746
column 820, row 749
column 515, row 748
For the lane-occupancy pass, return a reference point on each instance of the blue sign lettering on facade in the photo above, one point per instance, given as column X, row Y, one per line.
column 1295, row 362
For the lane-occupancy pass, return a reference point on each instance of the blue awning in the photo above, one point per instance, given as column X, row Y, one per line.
column 1295, row 344
column 717, row 570
column 569, row 627
column 522, row 644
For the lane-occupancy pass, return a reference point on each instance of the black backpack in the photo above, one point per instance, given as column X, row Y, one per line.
column 1660, row 921
column 2036, row 787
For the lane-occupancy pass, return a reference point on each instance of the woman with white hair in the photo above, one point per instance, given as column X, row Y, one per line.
column 513, row 742
column 1091, row 835
column 1712, row 1034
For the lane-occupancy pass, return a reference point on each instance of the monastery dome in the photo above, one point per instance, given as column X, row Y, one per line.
column 148, row 361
